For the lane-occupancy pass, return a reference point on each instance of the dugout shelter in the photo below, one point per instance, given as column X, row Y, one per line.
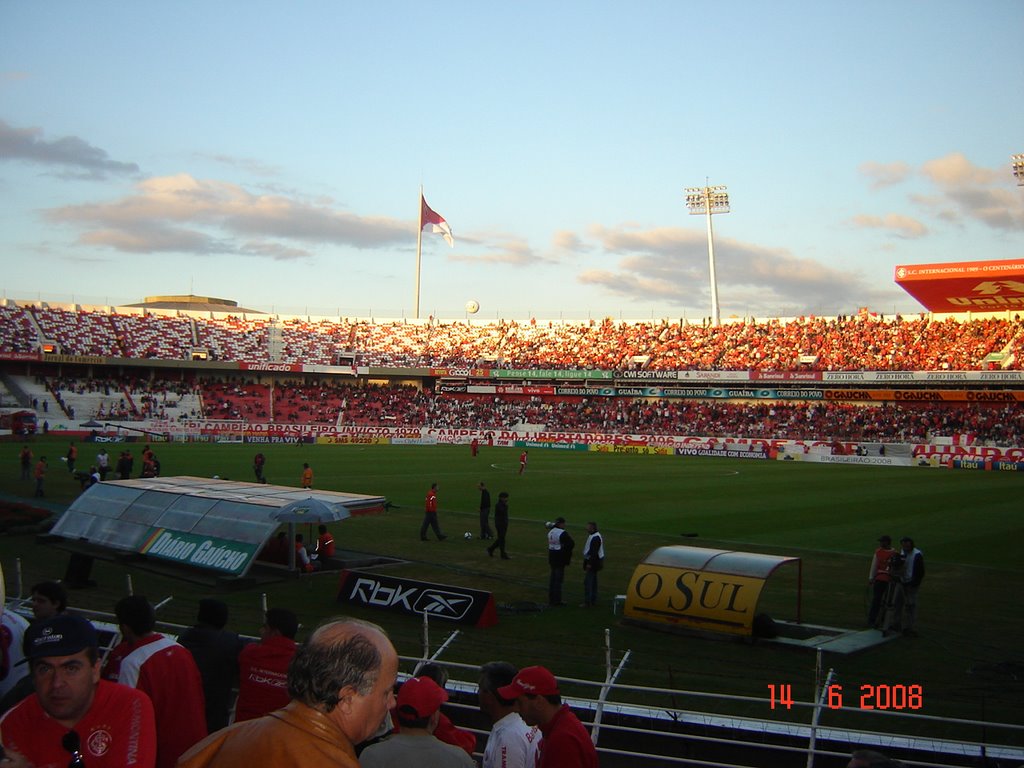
column 208, row 525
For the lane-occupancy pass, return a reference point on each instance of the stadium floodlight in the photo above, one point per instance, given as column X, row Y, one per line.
column 1018, row 168
column 708, row 200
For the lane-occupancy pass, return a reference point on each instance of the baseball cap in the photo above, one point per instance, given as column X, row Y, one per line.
column 537, row 681
column 422, row 695
column 62, row 635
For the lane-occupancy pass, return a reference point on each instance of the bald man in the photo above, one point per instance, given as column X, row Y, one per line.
column 341, row 684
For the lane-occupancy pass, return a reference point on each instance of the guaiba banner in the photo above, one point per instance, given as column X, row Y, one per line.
column 715, row 602
column 980, row 286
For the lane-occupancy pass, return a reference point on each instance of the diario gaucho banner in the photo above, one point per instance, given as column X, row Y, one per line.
column 205, row 552
column 438, row 601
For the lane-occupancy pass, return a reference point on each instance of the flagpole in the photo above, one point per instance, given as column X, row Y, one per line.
column 419, row 252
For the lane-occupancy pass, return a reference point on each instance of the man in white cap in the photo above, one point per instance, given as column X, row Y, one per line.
column 566, row 743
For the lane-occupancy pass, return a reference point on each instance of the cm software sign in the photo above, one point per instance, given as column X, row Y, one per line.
column 206, row 552
column 438, row 601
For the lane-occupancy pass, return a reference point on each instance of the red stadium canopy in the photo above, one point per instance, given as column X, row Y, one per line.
column 965, row 286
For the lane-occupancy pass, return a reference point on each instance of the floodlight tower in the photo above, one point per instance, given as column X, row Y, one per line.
column 1018, row 168
column 709, row 200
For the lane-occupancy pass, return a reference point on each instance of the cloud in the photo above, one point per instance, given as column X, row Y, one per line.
column 885, row 174
column 78, row 158
column 670, row 264
column 897, row 224
column 508, row 250
column 569, row 241
column 955, row 170
column 181, row 213
column 247, row 164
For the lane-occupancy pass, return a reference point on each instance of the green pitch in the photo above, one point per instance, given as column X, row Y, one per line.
column 970, row 526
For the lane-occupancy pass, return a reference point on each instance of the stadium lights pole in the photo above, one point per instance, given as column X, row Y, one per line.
column 708, row 200
column 1018, row 168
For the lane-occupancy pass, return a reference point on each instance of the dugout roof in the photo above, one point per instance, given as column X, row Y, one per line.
column 966, row 286
column 207, row 523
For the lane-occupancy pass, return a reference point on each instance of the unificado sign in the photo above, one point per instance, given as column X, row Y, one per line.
column 201, row 551
column 701, row 589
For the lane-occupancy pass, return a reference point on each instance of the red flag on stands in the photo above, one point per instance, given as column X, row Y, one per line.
column 437, row 223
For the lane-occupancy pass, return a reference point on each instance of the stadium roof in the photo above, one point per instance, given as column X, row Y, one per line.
column 966, row 286
column 194, row 304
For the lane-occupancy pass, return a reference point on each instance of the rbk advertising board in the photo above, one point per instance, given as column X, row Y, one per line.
column 438, row 601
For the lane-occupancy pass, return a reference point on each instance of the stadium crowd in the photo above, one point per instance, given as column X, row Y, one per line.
column 856, row 342
column 397, row 405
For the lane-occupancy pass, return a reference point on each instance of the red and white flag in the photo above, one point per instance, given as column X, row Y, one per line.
column 437, row 223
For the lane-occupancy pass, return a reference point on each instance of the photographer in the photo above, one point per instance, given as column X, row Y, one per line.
column 880, row 577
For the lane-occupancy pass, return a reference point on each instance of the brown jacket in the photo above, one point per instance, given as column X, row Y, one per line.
column 294, row 735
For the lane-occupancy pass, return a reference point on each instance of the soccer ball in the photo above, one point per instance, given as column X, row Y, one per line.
column 467, row 535
column 472, row 306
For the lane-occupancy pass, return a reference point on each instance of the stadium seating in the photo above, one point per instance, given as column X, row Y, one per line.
column 861, row 342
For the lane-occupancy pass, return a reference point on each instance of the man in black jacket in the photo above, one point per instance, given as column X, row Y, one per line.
column 911, row 575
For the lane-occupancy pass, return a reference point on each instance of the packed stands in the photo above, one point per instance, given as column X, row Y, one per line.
column 861, row 342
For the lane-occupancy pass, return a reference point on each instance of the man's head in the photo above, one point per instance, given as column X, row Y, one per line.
column 49, row 598
column 536, row 693
column 135, row 615
column 212, row 612
column 418, row 704
column 321, row 529
column 495, row 675
column 885, row 541
column 591, row 527
column 906, row 544
column 559, row 522
column 347, row 670
column 64, row 662
column 280, row 621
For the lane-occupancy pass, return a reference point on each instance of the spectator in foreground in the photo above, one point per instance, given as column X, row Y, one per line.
column 215, row 651
column 415, row 745
column 341, row 685
column 114, row 724
column 263, row 666
column 566, row 743
column 165, row 671
column 512, row 743
column 446, row 730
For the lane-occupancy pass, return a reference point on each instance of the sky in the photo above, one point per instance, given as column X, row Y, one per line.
column 273, row 153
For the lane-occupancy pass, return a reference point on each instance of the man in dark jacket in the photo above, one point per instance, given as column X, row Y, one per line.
column 560, row 546
column 215, row 651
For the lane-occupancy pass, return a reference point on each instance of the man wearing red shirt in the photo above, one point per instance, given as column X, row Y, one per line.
column 566, row 743
column 430, row 515
column 263, row 667
column 113, row 724
column 165, row 671
column 324, row 543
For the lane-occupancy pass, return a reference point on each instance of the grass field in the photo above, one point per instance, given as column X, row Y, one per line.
column 970, row 525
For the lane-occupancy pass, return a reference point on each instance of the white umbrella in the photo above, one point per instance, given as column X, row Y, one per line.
column 308, row 510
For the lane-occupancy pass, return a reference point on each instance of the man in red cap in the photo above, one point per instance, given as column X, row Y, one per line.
column 417, row 711
column 566, row 743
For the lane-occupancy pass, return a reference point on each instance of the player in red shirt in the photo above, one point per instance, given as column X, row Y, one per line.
column 263, row 667
column 522, row 462
column 430, row 515
column 112, row 724
column 166, row 672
